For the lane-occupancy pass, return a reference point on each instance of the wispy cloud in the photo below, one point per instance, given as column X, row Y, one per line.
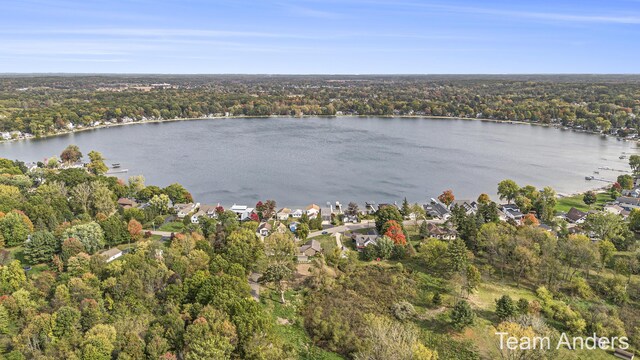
column 312, row 13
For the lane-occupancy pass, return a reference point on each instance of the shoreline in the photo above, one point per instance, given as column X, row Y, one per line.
column 158, row 121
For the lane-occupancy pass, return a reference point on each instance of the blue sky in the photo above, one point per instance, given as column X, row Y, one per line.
column 320, row 36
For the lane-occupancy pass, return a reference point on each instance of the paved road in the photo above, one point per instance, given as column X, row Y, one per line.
column 365, row 224
column 158, row 232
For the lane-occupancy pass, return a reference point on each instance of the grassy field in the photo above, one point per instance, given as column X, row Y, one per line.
column 175, row 226
column 566, row 203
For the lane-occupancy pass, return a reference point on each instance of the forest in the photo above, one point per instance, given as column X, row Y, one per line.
column 48, row 104
column 190, row 296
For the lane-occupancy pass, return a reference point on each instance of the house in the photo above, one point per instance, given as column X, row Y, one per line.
column 297, row 213
column 326, row 213
column 208, row 211
column 312, row 211
column 614, row 209
column 576, row 216
column 264, row 229
column 310, row 248
column 469, row 206
column 362, row 241
column 370, row 208
column 437, row 209
column 127, row 203
column 634, row 193
column 628, row 202
column 111, row 254
column 440, row 233
column 244, row 212
column 511, row 211
column 283, row 214
column 183, row 210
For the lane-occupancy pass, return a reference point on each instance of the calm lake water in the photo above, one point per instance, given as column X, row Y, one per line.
column 299, row 161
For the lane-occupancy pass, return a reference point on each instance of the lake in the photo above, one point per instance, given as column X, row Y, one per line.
column 300, row 161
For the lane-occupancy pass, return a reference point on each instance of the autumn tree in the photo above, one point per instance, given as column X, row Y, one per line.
column 71, row 154
column 394, row 232
column 446, row 197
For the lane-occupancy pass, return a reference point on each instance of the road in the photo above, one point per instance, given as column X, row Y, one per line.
column 365, row 224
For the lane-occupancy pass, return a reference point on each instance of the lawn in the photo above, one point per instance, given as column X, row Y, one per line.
column 174, row 226
column 566, row 203
column 327, row 242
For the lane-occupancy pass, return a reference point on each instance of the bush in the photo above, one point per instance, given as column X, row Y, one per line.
column 403, row 310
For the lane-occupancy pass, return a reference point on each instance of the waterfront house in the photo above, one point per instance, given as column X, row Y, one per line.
column 208, row 211
column 312, row 211
column 326, row 213
column 576, row 216
column 370, row 208
column 283, row 214
column 244, row 212
column 362, row 240
column 127, row 203
column 615, row 209
column 111, row 254
column 511, row 211
column 310, row 248
column 436, row 209
column 281, row 228
column 469, row 206
column 183, row 210
column 297, row 213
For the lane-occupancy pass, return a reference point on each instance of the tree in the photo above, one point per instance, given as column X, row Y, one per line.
column 302, row 231
column 136, row 184
column 102, row 199
column 472, row 279
column 280, row 250
column 545, row 204
column 505, row 308
column 447, row 197
column 424, row 230
column 352, row 209
column 71, row 154
column 484, row 199
column 90, row 235
column 40, row 247
column 389, row 339
column 462, row 315
column 508, row 190
column 606, row 249
column 634, row 163
column 608, row 226
column 386, row 213
column 96, row 164
column 115, row 230
column 15, row 227
column 530, row 220
column 98, row 343
column 405, row 210
column 134, row 228
column 159, row 204
column 178, row 194
column 457, row 254
column 395, row 233
column 625, row 182
column 590, row 198
column 10, row 197
column 205, row 340
column 383, row 248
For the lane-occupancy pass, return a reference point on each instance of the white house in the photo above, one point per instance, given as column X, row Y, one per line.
column 283, row 214
column 244, row 212
column 112, row 254
column 297, row 213
column 312, row 211
column 208, row 211
column 183, row 210
column 264, row 229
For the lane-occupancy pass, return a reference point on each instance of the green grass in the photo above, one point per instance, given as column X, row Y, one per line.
column 174, row 226
column 566, row 203
column 327, row 242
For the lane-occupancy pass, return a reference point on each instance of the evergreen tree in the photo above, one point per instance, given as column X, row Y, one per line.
column 505, row 308
column 462, row 315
